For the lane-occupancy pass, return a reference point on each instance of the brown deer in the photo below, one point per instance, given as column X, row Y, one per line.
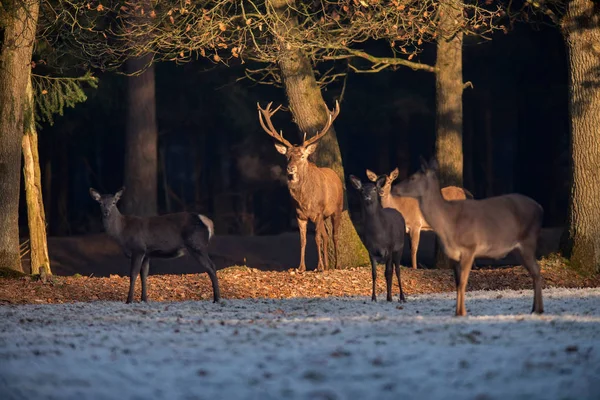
column 491, row 227
column 163, row 236
column 409, row 208
column 317, row 193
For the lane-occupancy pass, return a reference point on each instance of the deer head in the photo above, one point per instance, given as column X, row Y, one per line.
column 369, row 192
column 419, row 182
column 297, row 155
column 108, row 202
column 389, row 179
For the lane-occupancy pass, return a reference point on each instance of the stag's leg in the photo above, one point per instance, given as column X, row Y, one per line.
column 134, row 271
column 397, row 256
column 302, row 228
column 335, row 228
column 210, row 268
column 415, row 237
column 529, row 262
column 319, row 239
column 389, row 274
column 466, row 262
column 325, row 239
column 374, row 276
column 144, row 275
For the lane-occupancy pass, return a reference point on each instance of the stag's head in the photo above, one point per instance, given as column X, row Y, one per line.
column 387, row 185
column 420, row 182
column 108, row 202
column 297, row 155
column 369, row 192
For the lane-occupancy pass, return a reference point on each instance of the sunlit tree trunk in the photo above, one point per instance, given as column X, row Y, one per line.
column 581, row 27
column 310, row 114
column 449, row 111
column 36, row 218
column 20, row 20
column 141, row 157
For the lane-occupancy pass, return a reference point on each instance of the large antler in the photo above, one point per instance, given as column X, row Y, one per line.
column 332, row 116
column 266, row 113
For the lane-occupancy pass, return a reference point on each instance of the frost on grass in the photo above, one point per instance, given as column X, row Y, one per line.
column 334, row 348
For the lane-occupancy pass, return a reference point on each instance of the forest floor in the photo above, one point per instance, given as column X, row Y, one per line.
column 303, row 348
column 240, row 282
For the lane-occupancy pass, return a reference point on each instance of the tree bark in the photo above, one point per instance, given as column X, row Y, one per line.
column 15, row 66
column 310, row 114
column 449, row 111
column 141, row 158
column 36, row 217
column 581, row 242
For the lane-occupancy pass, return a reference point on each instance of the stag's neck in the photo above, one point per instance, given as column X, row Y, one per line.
column 305, row 187
column 435, row 208
column 113, row 224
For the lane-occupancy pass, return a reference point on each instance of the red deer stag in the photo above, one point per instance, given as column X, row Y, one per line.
column 409, row 208
column 491, row 227
column 317, row 193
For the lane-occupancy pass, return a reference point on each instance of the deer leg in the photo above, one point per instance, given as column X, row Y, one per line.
column 211, row 270
column 532, row 266
column 335, row 225
column 302, row 228
column 415, row 237
column 389, row 274
column 456, row 273
column 466, row 262
column 397, row 256
column 144, row 276
column 374, row 276
column 325, row 238
column 319, row 240
column 134, row 271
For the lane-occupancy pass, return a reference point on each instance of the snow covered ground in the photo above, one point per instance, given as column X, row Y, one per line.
column 330, row 348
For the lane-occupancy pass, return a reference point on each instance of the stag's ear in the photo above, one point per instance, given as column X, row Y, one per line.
column 119, row 194
column 380, row 182
column 433, row 165
column 281, row 148
column 371, row 175
column 356, row 182
column 95, row 195
column 310, row 149
column 394, row 174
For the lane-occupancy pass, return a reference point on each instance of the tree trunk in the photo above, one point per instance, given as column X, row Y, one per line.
column 310, row 114
column 141, row 159
column 19, row 35
column 581, row 243
column 449, row 111
column 36, row 218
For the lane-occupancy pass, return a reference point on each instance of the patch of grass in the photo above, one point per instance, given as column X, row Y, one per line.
column 11, row 273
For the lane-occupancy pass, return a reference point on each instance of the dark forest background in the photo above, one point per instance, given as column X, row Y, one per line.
column 215, row 158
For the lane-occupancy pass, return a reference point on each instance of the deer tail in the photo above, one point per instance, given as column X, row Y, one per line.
column 209, row 225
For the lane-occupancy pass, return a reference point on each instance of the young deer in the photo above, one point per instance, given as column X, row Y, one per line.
column 163, row 236
column 383, row 234
column 490, row 227
column 409, row 208
column 317, row 193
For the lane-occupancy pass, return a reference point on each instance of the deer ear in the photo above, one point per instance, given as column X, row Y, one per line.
column 424, row 165
column 356, row 182
column 310, row 149
column 380, row 182
column 119, row 194
column 433, row 164
column 371, row 175
column 95, row 195
column 394, row 174
column 281, row 148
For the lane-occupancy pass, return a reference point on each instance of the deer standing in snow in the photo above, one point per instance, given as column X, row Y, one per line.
column 409, row 208
column 317, row 193
column 163, row 236
column 490, row 227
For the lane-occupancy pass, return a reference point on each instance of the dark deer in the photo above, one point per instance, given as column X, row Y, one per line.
column 491, row 227
column 409, row 208
column 163, row 236
column 383, row 234
column 317, row 193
